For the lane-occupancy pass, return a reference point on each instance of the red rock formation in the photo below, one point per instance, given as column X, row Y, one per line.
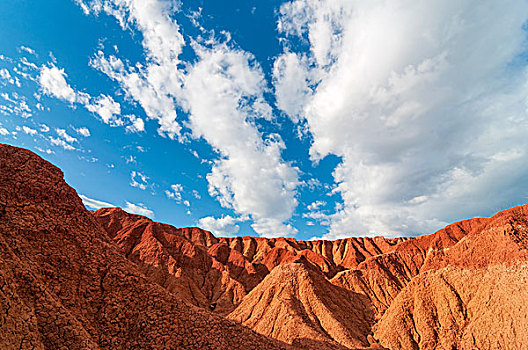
column 65, row 285
column 470, row 295
column 456, row 308
column 190, row 262
column 376, row 271
column 65, row 282
column 295, row 303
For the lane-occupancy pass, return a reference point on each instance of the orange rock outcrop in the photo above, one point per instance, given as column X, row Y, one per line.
column 75, row 279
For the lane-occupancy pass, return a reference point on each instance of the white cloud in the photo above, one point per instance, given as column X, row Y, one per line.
column 425, row 102
column 138, row 125
column 175, row 192
column 139, row 209
column 223, row 91
column 5, row 75
column 59, row 142
column 27, row 49
column 156, row 84
column 17, row 105
column 316, row 205
column 291, row 84
column 44, row 128
column 139, row 180
column 29, row 131
column 153, row 87
column 53, row 83
column 225, row 226
column 47, row 150
column 107, row 109
column 63, row 134
column 4, row 131
column 94, row 203
column 83, row 131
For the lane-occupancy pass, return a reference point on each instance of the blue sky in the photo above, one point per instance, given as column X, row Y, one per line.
column 299, row 118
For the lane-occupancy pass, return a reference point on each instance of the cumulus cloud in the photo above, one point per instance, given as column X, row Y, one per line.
column 139, row 209
column 63, row 134
column 107, row 109
column 223, row 93
column 175, row 192
column 4, row 131
column 94, row 203
column 290, row 77
column 316, row 205
column 425, row 102
column 6, row 76
column 63, row 140
column 53, row 83
column 225, row 226
column 17, row 105
column 156, row 84
column 139, row 180
column 61, row 143
column 29, row 130
column 83, row 131
column 137, row 124
column 223, row 89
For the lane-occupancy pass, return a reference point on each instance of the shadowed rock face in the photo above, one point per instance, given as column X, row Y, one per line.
column 64, row 284
column 76, row 279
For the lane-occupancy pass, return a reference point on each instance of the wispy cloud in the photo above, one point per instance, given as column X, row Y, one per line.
column 139, row 180
column 139, row 209
column 94, row 203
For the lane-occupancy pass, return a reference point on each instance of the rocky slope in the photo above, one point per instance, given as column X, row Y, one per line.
column 456, row 308
column 108, row 279
column 64, row 284
column 286, row 288
column 296, row 303
column 471, row 295
column 221, row 271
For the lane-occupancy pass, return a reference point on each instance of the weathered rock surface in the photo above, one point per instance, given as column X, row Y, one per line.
column 75, row 279
column 297, row 304
column 457, row 308
column 286, row 287
column 471, row 295
column 64, row 284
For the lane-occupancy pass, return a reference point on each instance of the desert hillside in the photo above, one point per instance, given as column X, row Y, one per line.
column 65, row 285
column 71, row 278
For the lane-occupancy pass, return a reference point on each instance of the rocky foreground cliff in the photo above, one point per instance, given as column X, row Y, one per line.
column 75, row 279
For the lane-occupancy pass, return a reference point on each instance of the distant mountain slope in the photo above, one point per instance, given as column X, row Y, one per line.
column 376, row 270
column 65, row 285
